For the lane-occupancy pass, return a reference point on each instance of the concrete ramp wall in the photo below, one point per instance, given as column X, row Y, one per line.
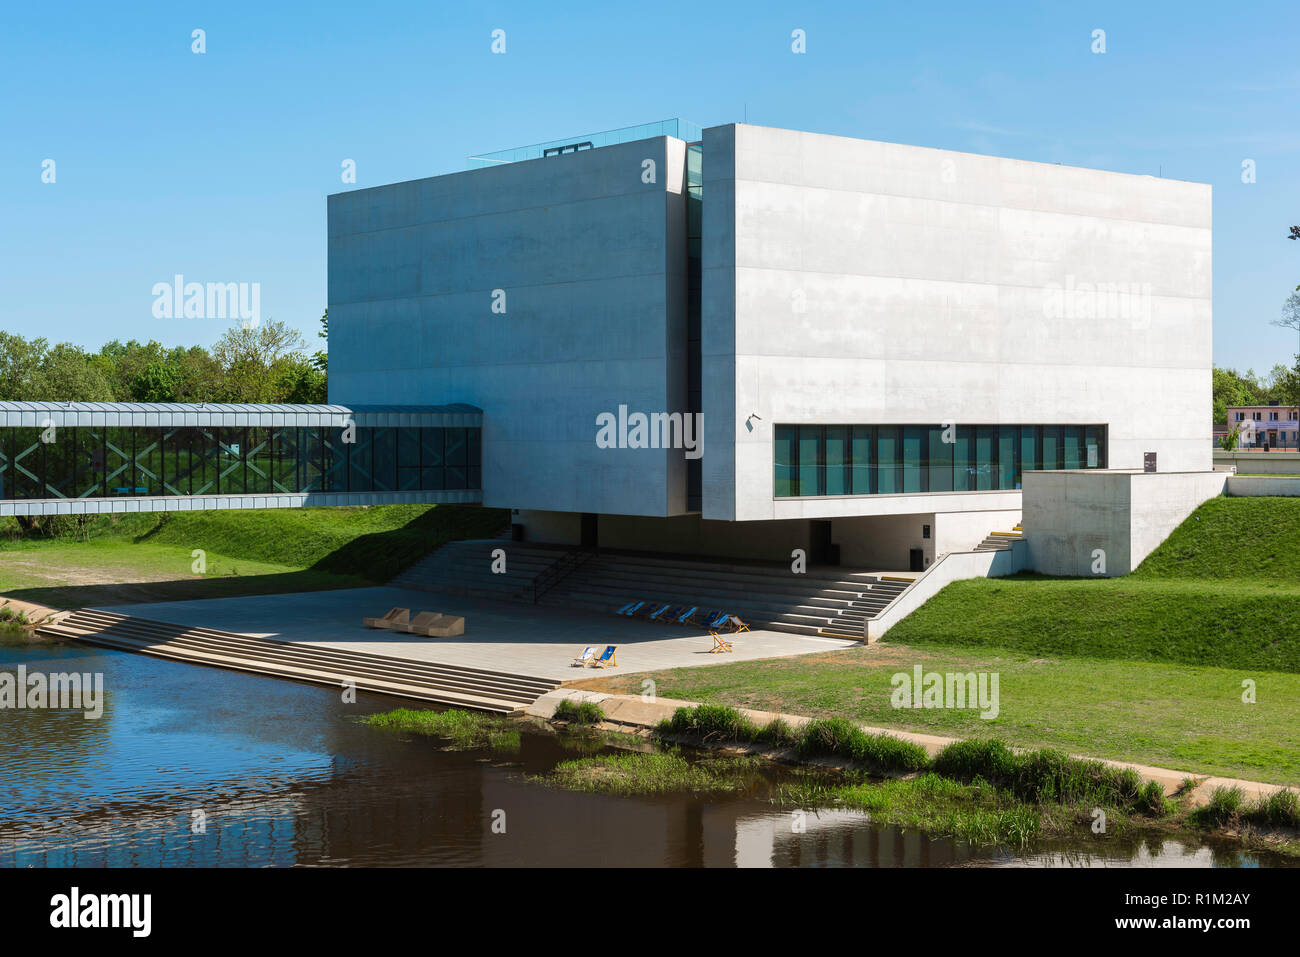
column 952, row 567
column 1104, row 523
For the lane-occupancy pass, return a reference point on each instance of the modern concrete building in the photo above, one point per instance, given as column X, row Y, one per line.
column 746, row 340
column 736, row 341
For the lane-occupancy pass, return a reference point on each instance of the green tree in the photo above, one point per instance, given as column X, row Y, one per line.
column 254, row 359
column 124, row 362
column 300, row 383
column 67, row 374
column 1288, row 387
column 202, row 378
column 320, row 358
column 159, row 381
column 20, row 362
column 1232, row 388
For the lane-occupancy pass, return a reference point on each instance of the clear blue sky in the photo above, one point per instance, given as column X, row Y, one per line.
column 216, row 166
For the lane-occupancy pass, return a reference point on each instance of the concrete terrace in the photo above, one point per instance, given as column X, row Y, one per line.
column 524, row 639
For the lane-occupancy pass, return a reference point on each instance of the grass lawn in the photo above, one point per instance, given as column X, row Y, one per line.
column 1179, row 716
column 149, row 557
column 1223, row 589
column 1144, row 668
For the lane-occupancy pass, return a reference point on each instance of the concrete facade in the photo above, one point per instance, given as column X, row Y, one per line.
column 849, row 281
column 590, row 261
column 843, row 282
column 1074, row 518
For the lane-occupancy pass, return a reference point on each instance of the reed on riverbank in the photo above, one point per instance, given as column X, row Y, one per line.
column 465, row 729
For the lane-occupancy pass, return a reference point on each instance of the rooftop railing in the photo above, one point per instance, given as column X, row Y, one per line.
column 679, row 128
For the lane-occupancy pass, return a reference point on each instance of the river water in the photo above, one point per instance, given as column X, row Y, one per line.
column 199, row 766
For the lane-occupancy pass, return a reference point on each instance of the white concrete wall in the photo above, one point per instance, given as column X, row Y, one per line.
column 1069, row 515
column 962, row 531
column 883, row 541
column 849, row 281
column 886, row 541
column 1254, row 485
column 1262, row 462
column 593, row 263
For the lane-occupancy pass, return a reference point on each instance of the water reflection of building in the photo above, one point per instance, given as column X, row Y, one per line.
column 554, row 828
column 838, row 839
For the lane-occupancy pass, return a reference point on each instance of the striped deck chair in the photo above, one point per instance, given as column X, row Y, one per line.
column 719, row 643
column 582, row 659
column 738, row 625
column 606, row 659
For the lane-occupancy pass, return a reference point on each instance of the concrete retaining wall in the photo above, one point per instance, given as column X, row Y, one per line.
column 1250, row 485
column 1267, row 462
column 1106, row 523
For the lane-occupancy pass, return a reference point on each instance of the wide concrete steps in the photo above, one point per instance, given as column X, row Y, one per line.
column 482, row 690
column 466, row 568
column 1001, row 541
column 820, row 603
column 779, row 592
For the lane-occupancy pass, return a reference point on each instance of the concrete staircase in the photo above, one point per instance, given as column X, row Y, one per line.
column 465, row 568
column 1000, row 541
column 495, row 691
column 825, row 601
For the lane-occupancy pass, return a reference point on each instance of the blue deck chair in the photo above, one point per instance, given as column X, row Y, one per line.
column 658, row 611
column 717, row 620
column 668, row 613
column 630, row 609
column 606, row 658
column 685, row 618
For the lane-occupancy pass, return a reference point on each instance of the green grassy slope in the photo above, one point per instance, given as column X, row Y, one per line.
column 1224, row 590
column 1248, row 539
column 148, row 557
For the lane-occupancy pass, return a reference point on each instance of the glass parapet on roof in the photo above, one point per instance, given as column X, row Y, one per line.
column 682, row 129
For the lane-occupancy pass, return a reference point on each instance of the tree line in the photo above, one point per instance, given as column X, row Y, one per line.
column 1281, row 385
column 263, row 363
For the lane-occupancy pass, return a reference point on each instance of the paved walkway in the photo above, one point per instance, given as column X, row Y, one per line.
column 501, row 636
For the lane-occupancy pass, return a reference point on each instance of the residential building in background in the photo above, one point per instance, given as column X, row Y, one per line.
column 1269, row 426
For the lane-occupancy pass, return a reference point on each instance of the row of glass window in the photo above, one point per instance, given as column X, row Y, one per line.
column 884, row 459
column 86, row 462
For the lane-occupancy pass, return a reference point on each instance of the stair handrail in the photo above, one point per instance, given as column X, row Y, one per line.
column 555, row 573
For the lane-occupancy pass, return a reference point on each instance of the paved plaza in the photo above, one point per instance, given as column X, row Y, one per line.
column 499, row 636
